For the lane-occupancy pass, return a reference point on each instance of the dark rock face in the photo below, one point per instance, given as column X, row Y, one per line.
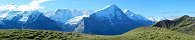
column 105, row 27
column 164, row 23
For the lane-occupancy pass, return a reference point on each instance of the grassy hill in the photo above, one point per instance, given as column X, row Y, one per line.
column 184, row 24
column 156, row 33
column 142, row 33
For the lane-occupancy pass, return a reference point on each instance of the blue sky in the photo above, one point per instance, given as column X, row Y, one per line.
column 148, row 8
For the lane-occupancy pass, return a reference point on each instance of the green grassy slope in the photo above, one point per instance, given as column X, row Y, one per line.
column 156, row 33
column 36, row 34
column 143, row 33
column 48, row 35
column 184, row 24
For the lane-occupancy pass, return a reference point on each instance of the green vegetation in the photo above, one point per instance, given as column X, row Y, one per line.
column 47, row 35
column 36, row 34
column 156, row 33
column 142, row 33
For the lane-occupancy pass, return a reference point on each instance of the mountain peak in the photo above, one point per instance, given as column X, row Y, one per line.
column 112, row 6
column 66, row 9
column 36, row 12
column 62, row 9
column 128, row 12
column 185, row 16
column 109, row 12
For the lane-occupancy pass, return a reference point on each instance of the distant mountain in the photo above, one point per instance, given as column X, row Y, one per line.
column 63, row 15
column 110, row 21
column 10, row 20
column 38, row 21
column 75, row 24
column 87, row 12
column 153, row 19
column 28, row 20
column 134, row 16
column 184, row 24
column 67, row 18
column 139, row 18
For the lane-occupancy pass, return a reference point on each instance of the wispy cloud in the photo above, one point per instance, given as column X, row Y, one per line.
column 191, row 12
column 166, row 12
column 180, row 12
column 171, row 12
column 33, row 5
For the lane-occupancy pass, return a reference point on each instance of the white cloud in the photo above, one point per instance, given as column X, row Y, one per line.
column 33, row 5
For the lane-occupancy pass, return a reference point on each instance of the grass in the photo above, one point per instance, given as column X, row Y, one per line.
column 156, row 33
column 36, row 34
column 142, row 33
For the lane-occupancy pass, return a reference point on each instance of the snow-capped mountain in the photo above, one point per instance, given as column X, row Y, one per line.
column 63, row 15
column 76, row 24
column 154, row 20
column 8, row 15
column 9, row 18
column 37, row 20
column 109, row 21
column 134, row 16
column 87, row 12
column 138, row 17
column 28, row 20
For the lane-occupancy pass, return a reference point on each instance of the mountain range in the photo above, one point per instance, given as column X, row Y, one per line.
column 177, row 29
column 108, row 21
column 112, row 21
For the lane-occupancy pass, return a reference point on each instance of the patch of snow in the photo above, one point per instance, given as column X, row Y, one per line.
column 134, row 16
column 80, row 27
column 23, row 19
column 105, row 7
column 153, row 19
column 76, row 20
column 87, row 12
column 3, row 15
column 63, row 15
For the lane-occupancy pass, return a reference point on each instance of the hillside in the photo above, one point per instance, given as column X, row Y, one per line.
column 143, row 33
column 156, row 33
column 183, row 24
column 35, row 34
